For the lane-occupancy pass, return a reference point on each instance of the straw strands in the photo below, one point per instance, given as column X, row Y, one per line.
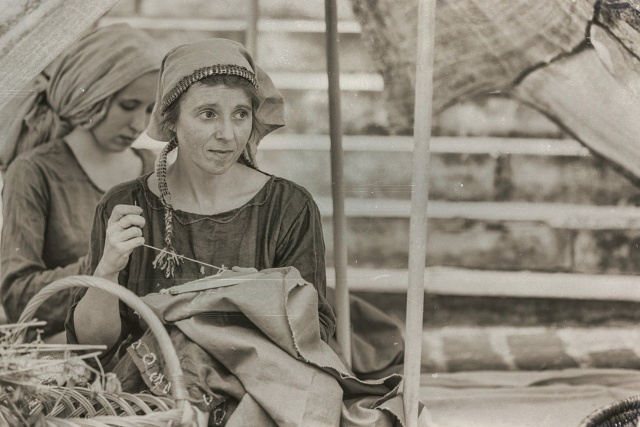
column 46, row 385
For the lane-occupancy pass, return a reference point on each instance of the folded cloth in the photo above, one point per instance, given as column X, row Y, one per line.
column 377, row 342
column 262, row 343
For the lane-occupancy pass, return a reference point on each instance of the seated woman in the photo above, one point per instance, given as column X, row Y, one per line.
column 211, row 204
column 71, row 142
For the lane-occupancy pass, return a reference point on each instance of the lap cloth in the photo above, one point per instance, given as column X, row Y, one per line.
column 257, row 344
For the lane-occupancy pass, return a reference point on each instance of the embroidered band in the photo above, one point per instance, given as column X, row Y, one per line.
column 201, row 73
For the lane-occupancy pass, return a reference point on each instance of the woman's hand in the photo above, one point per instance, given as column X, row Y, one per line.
column 123, row 235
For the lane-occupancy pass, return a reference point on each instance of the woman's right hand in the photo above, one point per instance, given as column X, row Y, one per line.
column 123, row 235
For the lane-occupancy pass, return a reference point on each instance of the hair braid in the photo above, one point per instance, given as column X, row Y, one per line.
column 166, row 260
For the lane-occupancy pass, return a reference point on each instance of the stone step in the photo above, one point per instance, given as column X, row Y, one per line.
column 490, row 283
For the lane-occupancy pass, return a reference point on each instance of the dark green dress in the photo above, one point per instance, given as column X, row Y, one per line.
column 279, row 227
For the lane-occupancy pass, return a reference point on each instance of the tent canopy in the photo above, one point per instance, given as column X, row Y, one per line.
column 576, row 62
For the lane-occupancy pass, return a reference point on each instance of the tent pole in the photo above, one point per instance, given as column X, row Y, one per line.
column 343, row 318
column 419, row 201
column 251, row 33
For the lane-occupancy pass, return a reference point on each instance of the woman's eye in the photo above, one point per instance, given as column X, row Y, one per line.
column 129, row 105
column 207, row 114
column 242, row 114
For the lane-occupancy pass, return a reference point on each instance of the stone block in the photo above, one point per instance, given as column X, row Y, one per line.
column 306, row 52
column 219, row 9
column 621, row 358
column 562, row 179
column 539, row 352
column 471, row 353
column 384, row 243
column 168, row 39
column 212, row 9
column 607, row 251
column 453, row 177
column 307, row 111
column 304, row 9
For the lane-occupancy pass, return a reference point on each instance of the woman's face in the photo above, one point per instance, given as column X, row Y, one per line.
column 128, row 114
column 214, row 125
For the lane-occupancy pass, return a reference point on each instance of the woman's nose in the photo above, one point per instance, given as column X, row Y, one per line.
column 224, row 130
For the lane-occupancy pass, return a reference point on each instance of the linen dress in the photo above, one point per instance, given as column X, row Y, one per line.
column 48, row 207
column 279, row 227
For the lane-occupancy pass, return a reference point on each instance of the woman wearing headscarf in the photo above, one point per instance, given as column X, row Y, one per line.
column 212, row 204
column 69, row 143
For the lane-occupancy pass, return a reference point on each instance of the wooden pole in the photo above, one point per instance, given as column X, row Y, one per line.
column 343, row 317
column 419, row 201
column 251, row 34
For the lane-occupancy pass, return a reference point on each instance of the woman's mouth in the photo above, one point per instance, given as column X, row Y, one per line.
column 220, row 152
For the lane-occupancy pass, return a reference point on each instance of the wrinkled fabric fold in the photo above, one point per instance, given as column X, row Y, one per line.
column 265, row 332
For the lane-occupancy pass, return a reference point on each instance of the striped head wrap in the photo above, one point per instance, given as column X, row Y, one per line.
column 181, row 68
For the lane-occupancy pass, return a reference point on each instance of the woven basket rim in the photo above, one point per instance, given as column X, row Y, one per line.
column 182, row 413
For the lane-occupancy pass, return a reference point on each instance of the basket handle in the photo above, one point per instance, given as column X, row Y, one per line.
column 174, row 371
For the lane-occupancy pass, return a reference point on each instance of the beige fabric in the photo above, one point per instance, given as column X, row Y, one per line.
column 290, row 375
column 34, row 32
column 595, row 93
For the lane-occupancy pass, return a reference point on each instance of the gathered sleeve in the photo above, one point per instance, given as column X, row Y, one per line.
column 302, row 247
column 24, row 273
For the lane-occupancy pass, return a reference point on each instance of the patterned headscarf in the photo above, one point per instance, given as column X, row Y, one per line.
column 182, row 67
column 76, row 88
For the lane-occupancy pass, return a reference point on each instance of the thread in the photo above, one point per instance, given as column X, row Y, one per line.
column 220, row 269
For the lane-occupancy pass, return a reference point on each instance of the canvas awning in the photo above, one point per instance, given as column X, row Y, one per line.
column 577, row 62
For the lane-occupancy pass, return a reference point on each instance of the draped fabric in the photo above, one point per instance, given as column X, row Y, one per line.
column 577, row 62
column 261, row 329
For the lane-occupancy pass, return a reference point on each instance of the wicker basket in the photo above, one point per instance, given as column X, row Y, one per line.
column 624, row 413
column 90, row 409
